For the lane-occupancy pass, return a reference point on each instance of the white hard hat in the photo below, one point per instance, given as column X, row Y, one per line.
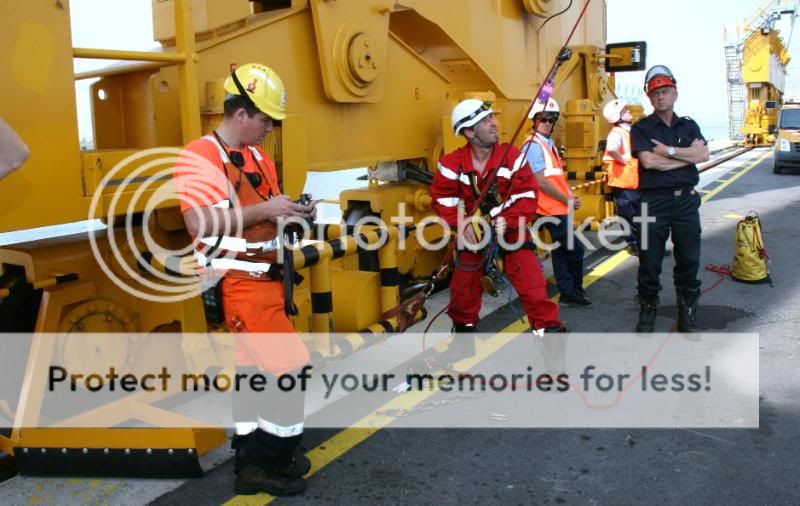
column 539, row 106
column 612, row 111
column 469, row 112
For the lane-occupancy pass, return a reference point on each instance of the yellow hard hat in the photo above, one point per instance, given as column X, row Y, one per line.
column 260, row 85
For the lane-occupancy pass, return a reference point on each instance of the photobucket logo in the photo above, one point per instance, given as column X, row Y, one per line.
column 475, row 233
column 141, row 251
column 135, row 251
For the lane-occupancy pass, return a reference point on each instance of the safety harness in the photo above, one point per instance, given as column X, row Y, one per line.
column 406, row 310
column 211, row 260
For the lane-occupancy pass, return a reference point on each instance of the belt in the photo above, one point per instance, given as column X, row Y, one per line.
column 674, row 192
column 256, row 270
column 240, row 245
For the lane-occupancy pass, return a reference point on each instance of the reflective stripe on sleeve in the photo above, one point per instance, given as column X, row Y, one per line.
column 505, row 172
column 452, row 176
column 447, row 173
column 510, row 200
column 449, row 201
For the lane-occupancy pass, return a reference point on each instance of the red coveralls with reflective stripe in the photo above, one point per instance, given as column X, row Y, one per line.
column 517, row 190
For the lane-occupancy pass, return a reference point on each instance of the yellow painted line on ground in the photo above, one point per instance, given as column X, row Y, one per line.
column 349, row 438
column 734, row 216
column 605, row 267
column 741, row 173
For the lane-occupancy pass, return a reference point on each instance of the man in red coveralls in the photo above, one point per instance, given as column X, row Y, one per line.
column 461, row 176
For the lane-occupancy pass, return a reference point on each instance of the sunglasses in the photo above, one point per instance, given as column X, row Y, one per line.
column 547, row 120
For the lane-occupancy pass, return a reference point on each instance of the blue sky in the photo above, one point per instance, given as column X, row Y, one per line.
column 685, row 35
column 98, row 24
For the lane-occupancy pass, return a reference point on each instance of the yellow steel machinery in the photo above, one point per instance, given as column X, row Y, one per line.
column 764, row 71
column 758, row 55
column 370, row 83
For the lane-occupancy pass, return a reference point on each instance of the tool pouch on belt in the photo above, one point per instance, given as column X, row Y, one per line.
column 212, row 304
column 491, row 279
column 491, row 201
column 290, row 278
column 293, row 235
column 212, row 291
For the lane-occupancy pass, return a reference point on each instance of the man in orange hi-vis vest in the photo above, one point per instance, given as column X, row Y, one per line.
column 231, row 205
column 622, row 169
column 555, row 202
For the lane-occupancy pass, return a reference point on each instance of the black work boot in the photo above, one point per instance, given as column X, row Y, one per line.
column 687, row 309
column 261, row 464
column 648, row 310
column 462, row 346
column 283, row 454
column 299, row 465
column 252, row 479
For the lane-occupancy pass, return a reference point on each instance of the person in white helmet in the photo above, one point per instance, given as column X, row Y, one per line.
column 622, row 169
column 458, row 182
column 556, row 201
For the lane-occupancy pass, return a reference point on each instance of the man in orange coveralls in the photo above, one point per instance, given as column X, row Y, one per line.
column 458, row 182
column 231, row 205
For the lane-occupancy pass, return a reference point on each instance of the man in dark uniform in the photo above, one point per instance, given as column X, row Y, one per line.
column 668, row 147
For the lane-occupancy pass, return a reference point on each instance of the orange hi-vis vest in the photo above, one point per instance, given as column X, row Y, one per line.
column 252, row 253
column 553, row 171
column 622, row 175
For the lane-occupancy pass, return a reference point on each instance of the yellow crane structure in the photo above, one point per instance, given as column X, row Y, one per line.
column 756, row 56
column 370, row 83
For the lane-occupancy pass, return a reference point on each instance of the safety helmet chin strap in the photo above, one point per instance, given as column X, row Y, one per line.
column 242, row 92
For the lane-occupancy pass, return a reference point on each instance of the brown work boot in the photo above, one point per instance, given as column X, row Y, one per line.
column 252, row 479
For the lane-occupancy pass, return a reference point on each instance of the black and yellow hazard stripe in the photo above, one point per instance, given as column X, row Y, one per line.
column 344, row 245
column 587, row 176
column 36, row 285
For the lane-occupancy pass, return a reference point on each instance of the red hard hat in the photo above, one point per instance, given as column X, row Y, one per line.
column 660, row 81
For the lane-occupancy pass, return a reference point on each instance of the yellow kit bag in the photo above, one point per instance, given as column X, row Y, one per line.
column 750, row 256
